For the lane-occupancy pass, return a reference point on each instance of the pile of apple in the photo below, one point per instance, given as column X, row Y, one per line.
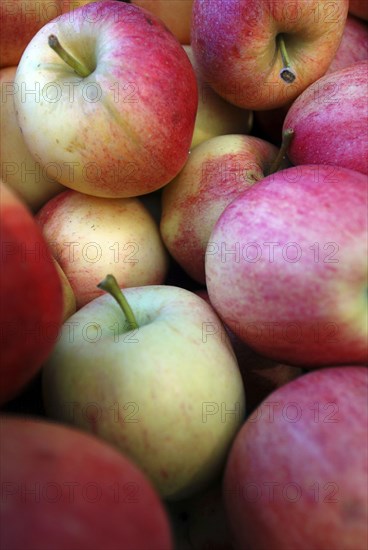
column 184, row 275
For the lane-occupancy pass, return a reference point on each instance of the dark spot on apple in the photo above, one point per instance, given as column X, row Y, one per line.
column 149, row 20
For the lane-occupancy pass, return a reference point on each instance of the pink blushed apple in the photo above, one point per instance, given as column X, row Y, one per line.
column 330, row 120
column 261, row 54
column 296, row 475
column 217, row 171
column 286, row 266
column 31, row 302
column 71, row 491
column 114, row 103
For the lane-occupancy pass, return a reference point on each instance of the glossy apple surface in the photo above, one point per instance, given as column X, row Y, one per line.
column 92, row 236
column 290, row 481
column 286, row 266
column 164, row 394
column 125, row 127
column 236, row 45
column 72, row 491
column 31, row 296
column 330, row 120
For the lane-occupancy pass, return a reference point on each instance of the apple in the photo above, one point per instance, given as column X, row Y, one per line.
column 176, row 14
column 286, row 266
column 116, row 118
column 215, row 116
column 217, row 171
column 90, row 236
column 150, row 385
column 359, row 8
column 296, row 475
column 19, row 170
column 353, row 47
column 330, row 120
column 70, row 491
column 69, row 301
column 31, row 296
column 261, row 55
column 21, row 19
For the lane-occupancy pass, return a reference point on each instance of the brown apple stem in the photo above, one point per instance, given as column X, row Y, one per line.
column 110, row 285
column 78, row 67
column 287, row 136
column 287, row 74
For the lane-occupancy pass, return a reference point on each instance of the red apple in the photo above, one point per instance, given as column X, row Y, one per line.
column 296, row 475
column 330, row 120
column 353, row 47
column 261, row 54
column 71, row 491
column 115, row 100
column 31, row 296
column 286, row 266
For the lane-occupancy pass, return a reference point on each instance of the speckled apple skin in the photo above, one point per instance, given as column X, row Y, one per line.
column 296, row 475
column 303, row 299
column 125, row 129
column 72, row 491
column 353, row 46
column 216, row 172
column 235, row 46
column 31, row 302
column 330, row 120
column 93, row 236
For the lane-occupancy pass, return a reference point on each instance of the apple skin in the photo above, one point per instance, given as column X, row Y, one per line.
column 300, row 462
column 71, row 491
column 235, row 46
column 19, row 170
column 69, row 301
column 125, row 130
column 92, row 236
column 359, row 8
column 217, row 171
column 31, row 296
column 353, row 47
column 215, row 116
column 156, row 393
column 176, row 14
column 21, row 19
column 286, row 266
column 330, row 120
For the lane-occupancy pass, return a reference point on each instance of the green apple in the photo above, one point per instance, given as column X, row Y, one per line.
column 166, row 393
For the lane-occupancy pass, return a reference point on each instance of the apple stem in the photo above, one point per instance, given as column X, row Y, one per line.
column 110, row 285
column 78, row 67
column 287, row 136
column 287, row 74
